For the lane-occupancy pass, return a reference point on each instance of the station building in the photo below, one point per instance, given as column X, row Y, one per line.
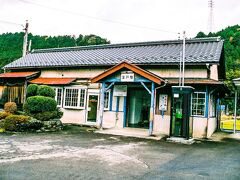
column 132, row 85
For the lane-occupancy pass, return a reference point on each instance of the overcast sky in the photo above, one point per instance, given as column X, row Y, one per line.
column 118, row 20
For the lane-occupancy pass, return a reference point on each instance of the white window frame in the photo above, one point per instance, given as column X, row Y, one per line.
column 56, row 91
column 78, row 100
column 109, row 95
column 198, row 92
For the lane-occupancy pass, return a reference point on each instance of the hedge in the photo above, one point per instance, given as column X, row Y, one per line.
column 32, row 90
column 37, row 104
column 13, row 122
column 47, row 91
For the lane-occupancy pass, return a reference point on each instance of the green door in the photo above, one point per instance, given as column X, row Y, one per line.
column 177, row 116
column 181, row 122
column 92, row 108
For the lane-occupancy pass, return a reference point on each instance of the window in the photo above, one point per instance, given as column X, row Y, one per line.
column 198, row 103
column 58, row 96
column 74, row 98
column 106, row 100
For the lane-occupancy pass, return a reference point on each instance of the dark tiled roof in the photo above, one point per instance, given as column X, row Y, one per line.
column 206, row 50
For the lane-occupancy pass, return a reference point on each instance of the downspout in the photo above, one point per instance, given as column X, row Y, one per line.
column 209, row 101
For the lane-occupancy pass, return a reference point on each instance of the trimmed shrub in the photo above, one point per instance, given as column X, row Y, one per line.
column 45, row 116
column 10, row 107
column 47, row 91
column 4, row 114
column 21, row 113
column 59, row 113
column 48, row 115
column 32, row 90
column 13, row 122
column 37, row 104
column 31, row 125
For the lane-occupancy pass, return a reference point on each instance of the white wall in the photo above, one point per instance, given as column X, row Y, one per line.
column 109, row 119
column 78, row 73
column 74, row 116
column 174, row 73
column 199, row 127
column 161, row 125
column 212, row 126
column 214, row 72
column 162, row 72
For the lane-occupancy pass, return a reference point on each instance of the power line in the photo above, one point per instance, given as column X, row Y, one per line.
column 98, row 19
column 11, row 23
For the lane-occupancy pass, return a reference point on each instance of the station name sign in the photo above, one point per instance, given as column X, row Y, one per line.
column 127, row 76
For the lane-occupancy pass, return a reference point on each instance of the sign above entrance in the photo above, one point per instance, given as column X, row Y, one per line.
column 120, row 90
column 127, row 76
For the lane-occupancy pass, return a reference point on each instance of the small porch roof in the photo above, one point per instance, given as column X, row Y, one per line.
column 52, row 81
column 146, row 74
column 17, row 78
column 18, row 74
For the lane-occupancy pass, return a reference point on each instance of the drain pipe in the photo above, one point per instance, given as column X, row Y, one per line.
column 209, row 101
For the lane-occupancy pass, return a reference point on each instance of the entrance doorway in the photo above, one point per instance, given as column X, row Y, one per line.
column 138, row 108
column 92, row 108
column 181, row 122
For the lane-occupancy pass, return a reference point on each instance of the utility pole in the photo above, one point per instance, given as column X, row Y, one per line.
column 25, row 39
column 210, row 18
column 180, row 68
column 183, row 57
column 29, row 46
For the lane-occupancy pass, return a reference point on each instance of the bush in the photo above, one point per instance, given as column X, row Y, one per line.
column 31, row 125
column 59, row 113
column 32, row 90
column 47, row 91
column 4, row 114
column 10, row 107
column 13, row 122
column 21, row 113
column 37, row 104
column 47, row 115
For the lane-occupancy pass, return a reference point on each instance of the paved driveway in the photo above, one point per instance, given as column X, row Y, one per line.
column 78, row 154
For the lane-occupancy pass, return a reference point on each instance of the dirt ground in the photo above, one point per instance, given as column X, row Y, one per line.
column 78, row 153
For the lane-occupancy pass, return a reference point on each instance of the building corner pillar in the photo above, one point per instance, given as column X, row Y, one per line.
column 102, row 104
column 151, row 110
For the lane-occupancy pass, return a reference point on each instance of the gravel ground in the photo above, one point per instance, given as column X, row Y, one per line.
column 78, row 153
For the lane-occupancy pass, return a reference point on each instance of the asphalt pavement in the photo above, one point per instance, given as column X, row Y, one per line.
column 78, row 153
